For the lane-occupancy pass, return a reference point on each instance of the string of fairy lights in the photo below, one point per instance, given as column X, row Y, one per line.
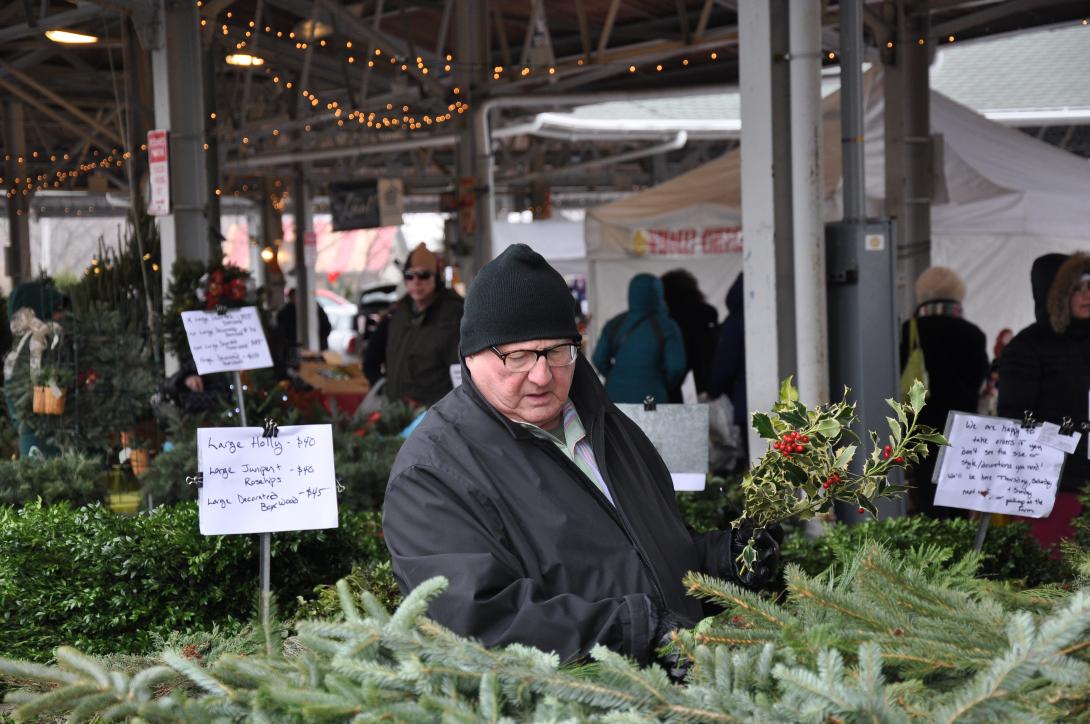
column 388, row 117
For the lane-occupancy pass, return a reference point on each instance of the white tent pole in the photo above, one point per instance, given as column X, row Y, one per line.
column 806, row 197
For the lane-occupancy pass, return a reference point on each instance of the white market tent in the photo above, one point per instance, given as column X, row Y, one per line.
column 1004, row 198
column 558, row 240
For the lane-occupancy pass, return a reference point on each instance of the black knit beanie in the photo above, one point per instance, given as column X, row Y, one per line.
column 514, row 298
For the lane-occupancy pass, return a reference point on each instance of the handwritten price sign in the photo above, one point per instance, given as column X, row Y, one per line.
column 227, row 342
column 994, row 465
column 255, row 484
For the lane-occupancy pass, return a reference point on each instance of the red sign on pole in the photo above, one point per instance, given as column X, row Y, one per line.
column 159, row 173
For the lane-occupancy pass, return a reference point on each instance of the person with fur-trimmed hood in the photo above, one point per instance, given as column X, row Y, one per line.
column 1046, row 369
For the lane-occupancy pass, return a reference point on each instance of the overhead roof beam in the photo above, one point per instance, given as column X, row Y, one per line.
column 607, row 28
column 32, row 100
column 357, row 29
column 983, row 17
column 75, row 112
column 52, row 22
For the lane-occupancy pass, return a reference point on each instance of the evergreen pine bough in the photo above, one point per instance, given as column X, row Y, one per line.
column 885, row 638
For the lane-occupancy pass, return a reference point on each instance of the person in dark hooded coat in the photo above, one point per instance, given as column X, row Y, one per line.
column 548, row 511
column 1046, row 369
column 956, row 357
column 699, row 324
column 641, row 352
column 728, row 372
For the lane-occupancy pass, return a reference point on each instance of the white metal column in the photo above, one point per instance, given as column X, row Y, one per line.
column 811, row 318
column 179, row 108
column 759, row 169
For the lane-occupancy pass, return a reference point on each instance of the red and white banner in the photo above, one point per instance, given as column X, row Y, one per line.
column 159, row 173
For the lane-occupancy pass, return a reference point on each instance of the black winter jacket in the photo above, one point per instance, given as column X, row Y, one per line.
column 1049, row 373
column 533, row 552
column 418, row 348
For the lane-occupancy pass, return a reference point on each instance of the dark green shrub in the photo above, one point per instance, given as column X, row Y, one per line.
column 1010, row 552
column 714, row 507
column 376, row 578
column 363, row 464
column 71, row 476
column 109, row 583
column 165, row 480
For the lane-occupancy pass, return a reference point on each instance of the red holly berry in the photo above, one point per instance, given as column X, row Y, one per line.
column 777, row 445
column 799, row 448
column 898, row 459
column 862, row 510
column 836, row 477
column 825, row 485
column 805, row 438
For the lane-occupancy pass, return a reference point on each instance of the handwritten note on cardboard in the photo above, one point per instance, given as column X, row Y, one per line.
column 227, row 342
column 994, row 465
column 255, row 484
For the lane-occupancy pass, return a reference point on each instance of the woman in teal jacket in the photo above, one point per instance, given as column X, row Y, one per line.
column 641, row 352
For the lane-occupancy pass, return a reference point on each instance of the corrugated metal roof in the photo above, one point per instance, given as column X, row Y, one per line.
column 1039, row 70
column 1043, row 69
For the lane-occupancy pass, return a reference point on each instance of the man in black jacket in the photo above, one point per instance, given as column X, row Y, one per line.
column 548, row 510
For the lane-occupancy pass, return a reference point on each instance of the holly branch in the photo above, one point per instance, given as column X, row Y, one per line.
column 806, row 467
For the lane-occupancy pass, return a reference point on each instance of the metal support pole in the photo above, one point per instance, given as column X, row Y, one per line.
column 851, row 108
column 982, row 531
column 17, row 256
column 766, row 330
column 472, row 159
column 918, row 154
column 212, row 155
column 781, row 189
column 863, row 320
column 306, row 313
column 807, row 192
column 179, row 108
column 264, row 539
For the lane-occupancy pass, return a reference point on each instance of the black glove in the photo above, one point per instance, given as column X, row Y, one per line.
column 768, row 542
column 675, row 663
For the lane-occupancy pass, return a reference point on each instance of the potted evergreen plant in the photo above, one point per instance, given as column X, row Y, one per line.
column 51, row 389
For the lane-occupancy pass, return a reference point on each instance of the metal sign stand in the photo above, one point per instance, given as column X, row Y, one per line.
column 264, row 539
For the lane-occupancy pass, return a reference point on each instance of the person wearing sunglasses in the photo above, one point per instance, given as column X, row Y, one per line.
column 548, row 511
column 417, row 342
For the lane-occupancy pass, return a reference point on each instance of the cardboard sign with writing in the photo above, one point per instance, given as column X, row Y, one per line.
column 994, row 465
column 227, row 342
column 255, row 484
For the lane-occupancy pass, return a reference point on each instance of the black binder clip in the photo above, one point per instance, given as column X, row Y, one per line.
column 197, row 480
column 1067, row 426
column 221, row 309
column 1028, row 423
column 271, row 428
column 340, row 484
column 649, row 403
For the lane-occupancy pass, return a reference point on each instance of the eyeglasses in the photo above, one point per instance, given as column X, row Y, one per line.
column 1082, row 287
column 421, row 275
column 523, row 360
